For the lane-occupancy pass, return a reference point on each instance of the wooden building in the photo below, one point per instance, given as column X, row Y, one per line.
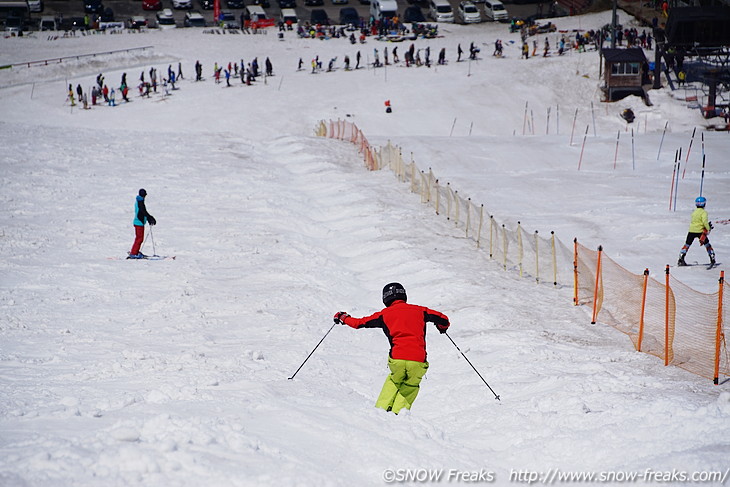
column 625, row 71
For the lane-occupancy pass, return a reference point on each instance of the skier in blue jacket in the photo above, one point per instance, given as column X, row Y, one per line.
column 140, row 218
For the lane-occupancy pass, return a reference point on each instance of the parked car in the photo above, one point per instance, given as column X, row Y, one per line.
column 76, row 23
column 206, row 4
column 313, row 3
column 468, row 12
column 287, row 4
column 93, row 7
column 349, row 16
column 494, row 10
column 107, row 15
column 319, row 17
column 14, row 25
column 194, row 19
column 339, row 2
column 289, row 16
column 235, row 4
column 136, row 22
column 413, row 14
column 35, row 5
column 151, row 4
column 364, row 2
column 182, row 4
column 229, row 20
column 48, row 23
column 165, row 19
column 261, row 3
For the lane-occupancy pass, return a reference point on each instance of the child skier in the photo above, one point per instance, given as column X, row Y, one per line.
column 405, row 326
column 699, row 228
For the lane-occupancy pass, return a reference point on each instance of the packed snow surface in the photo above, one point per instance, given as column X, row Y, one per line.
column 174, row 372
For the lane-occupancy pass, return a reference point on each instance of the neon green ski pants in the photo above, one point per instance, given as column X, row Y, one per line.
column 402, row 385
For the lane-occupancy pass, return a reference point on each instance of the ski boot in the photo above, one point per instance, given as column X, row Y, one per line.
column 681, row 261
column 712, row 261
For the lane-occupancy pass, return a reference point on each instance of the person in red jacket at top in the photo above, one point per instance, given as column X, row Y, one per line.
column 405, row 326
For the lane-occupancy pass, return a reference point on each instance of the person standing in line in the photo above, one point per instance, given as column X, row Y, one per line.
column 141, row 216
column 699, row 227
column 405, row 326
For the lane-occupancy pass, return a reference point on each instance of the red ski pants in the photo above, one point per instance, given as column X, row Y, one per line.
column 138, row 239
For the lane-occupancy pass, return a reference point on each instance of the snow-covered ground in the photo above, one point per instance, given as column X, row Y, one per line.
column 174, row 373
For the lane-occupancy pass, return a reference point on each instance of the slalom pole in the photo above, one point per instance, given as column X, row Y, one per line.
column 633, row 152
column 593, row 114
column 557, row 120
column 573, row 130
column 674, row 173
column 472, row 366
column 547, row 123
column 676, row 186
column 583, row 147
column 524, row 120
column 310, row 353
column 662, row 141
column 615, row 154
column 689, row 150
column 702, row 178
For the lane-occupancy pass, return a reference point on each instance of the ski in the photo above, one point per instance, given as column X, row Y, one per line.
column 712, row 266
column 148, row 257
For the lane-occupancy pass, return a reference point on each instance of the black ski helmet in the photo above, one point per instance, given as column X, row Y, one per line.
column 394, row 292
column 142, row 192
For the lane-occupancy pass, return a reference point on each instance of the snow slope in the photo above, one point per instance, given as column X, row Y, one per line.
column 174, row 373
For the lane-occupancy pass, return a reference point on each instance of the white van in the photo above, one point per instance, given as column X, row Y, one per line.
column 289, row 16
column 383, row 8
column 494, row 10
column 48, row 23
column 440, row 11
column 255, row 13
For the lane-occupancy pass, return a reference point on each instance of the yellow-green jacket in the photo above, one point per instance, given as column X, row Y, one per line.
column 700, row 221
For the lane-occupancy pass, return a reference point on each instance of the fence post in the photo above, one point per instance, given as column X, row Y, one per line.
column 666, row 317
column 537, row 258
column 438, row 196
column 504, row 245
column 575, row 272
column 719, row 336
column 595, row 290
column 519, row 247
column 643, row 309
column 468, row 216
column 479, row 231
column 491, row 236
column 555, row 258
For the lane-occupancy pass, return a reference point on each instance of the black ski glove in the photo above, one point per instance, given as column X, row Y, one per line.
column 151, row 220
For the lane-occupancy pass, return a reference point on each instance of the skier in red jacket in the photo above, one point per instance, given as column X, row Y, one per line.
column 405, row 326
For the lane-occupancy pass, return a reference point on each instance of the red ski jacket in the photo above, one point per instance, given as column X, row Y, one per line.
column 405, row 326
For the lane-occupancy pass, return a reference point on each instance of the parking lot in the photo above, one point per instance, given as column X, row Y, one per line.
column 124, row 9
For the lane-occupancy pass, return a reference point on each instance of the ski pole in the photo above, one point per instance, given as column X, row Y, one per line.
column 152, row 237
column 472, row 366
column 310, row 353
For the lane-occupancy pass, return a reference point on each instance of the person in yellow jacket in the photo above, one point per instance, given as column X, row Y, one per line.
column 699, row 227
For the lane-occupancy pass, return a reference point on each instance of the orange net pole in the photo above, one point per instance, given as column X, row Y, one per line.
column 598, row 280
column 643, row 310
column 718, row 333
column 575, row 272
column 666, row 319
